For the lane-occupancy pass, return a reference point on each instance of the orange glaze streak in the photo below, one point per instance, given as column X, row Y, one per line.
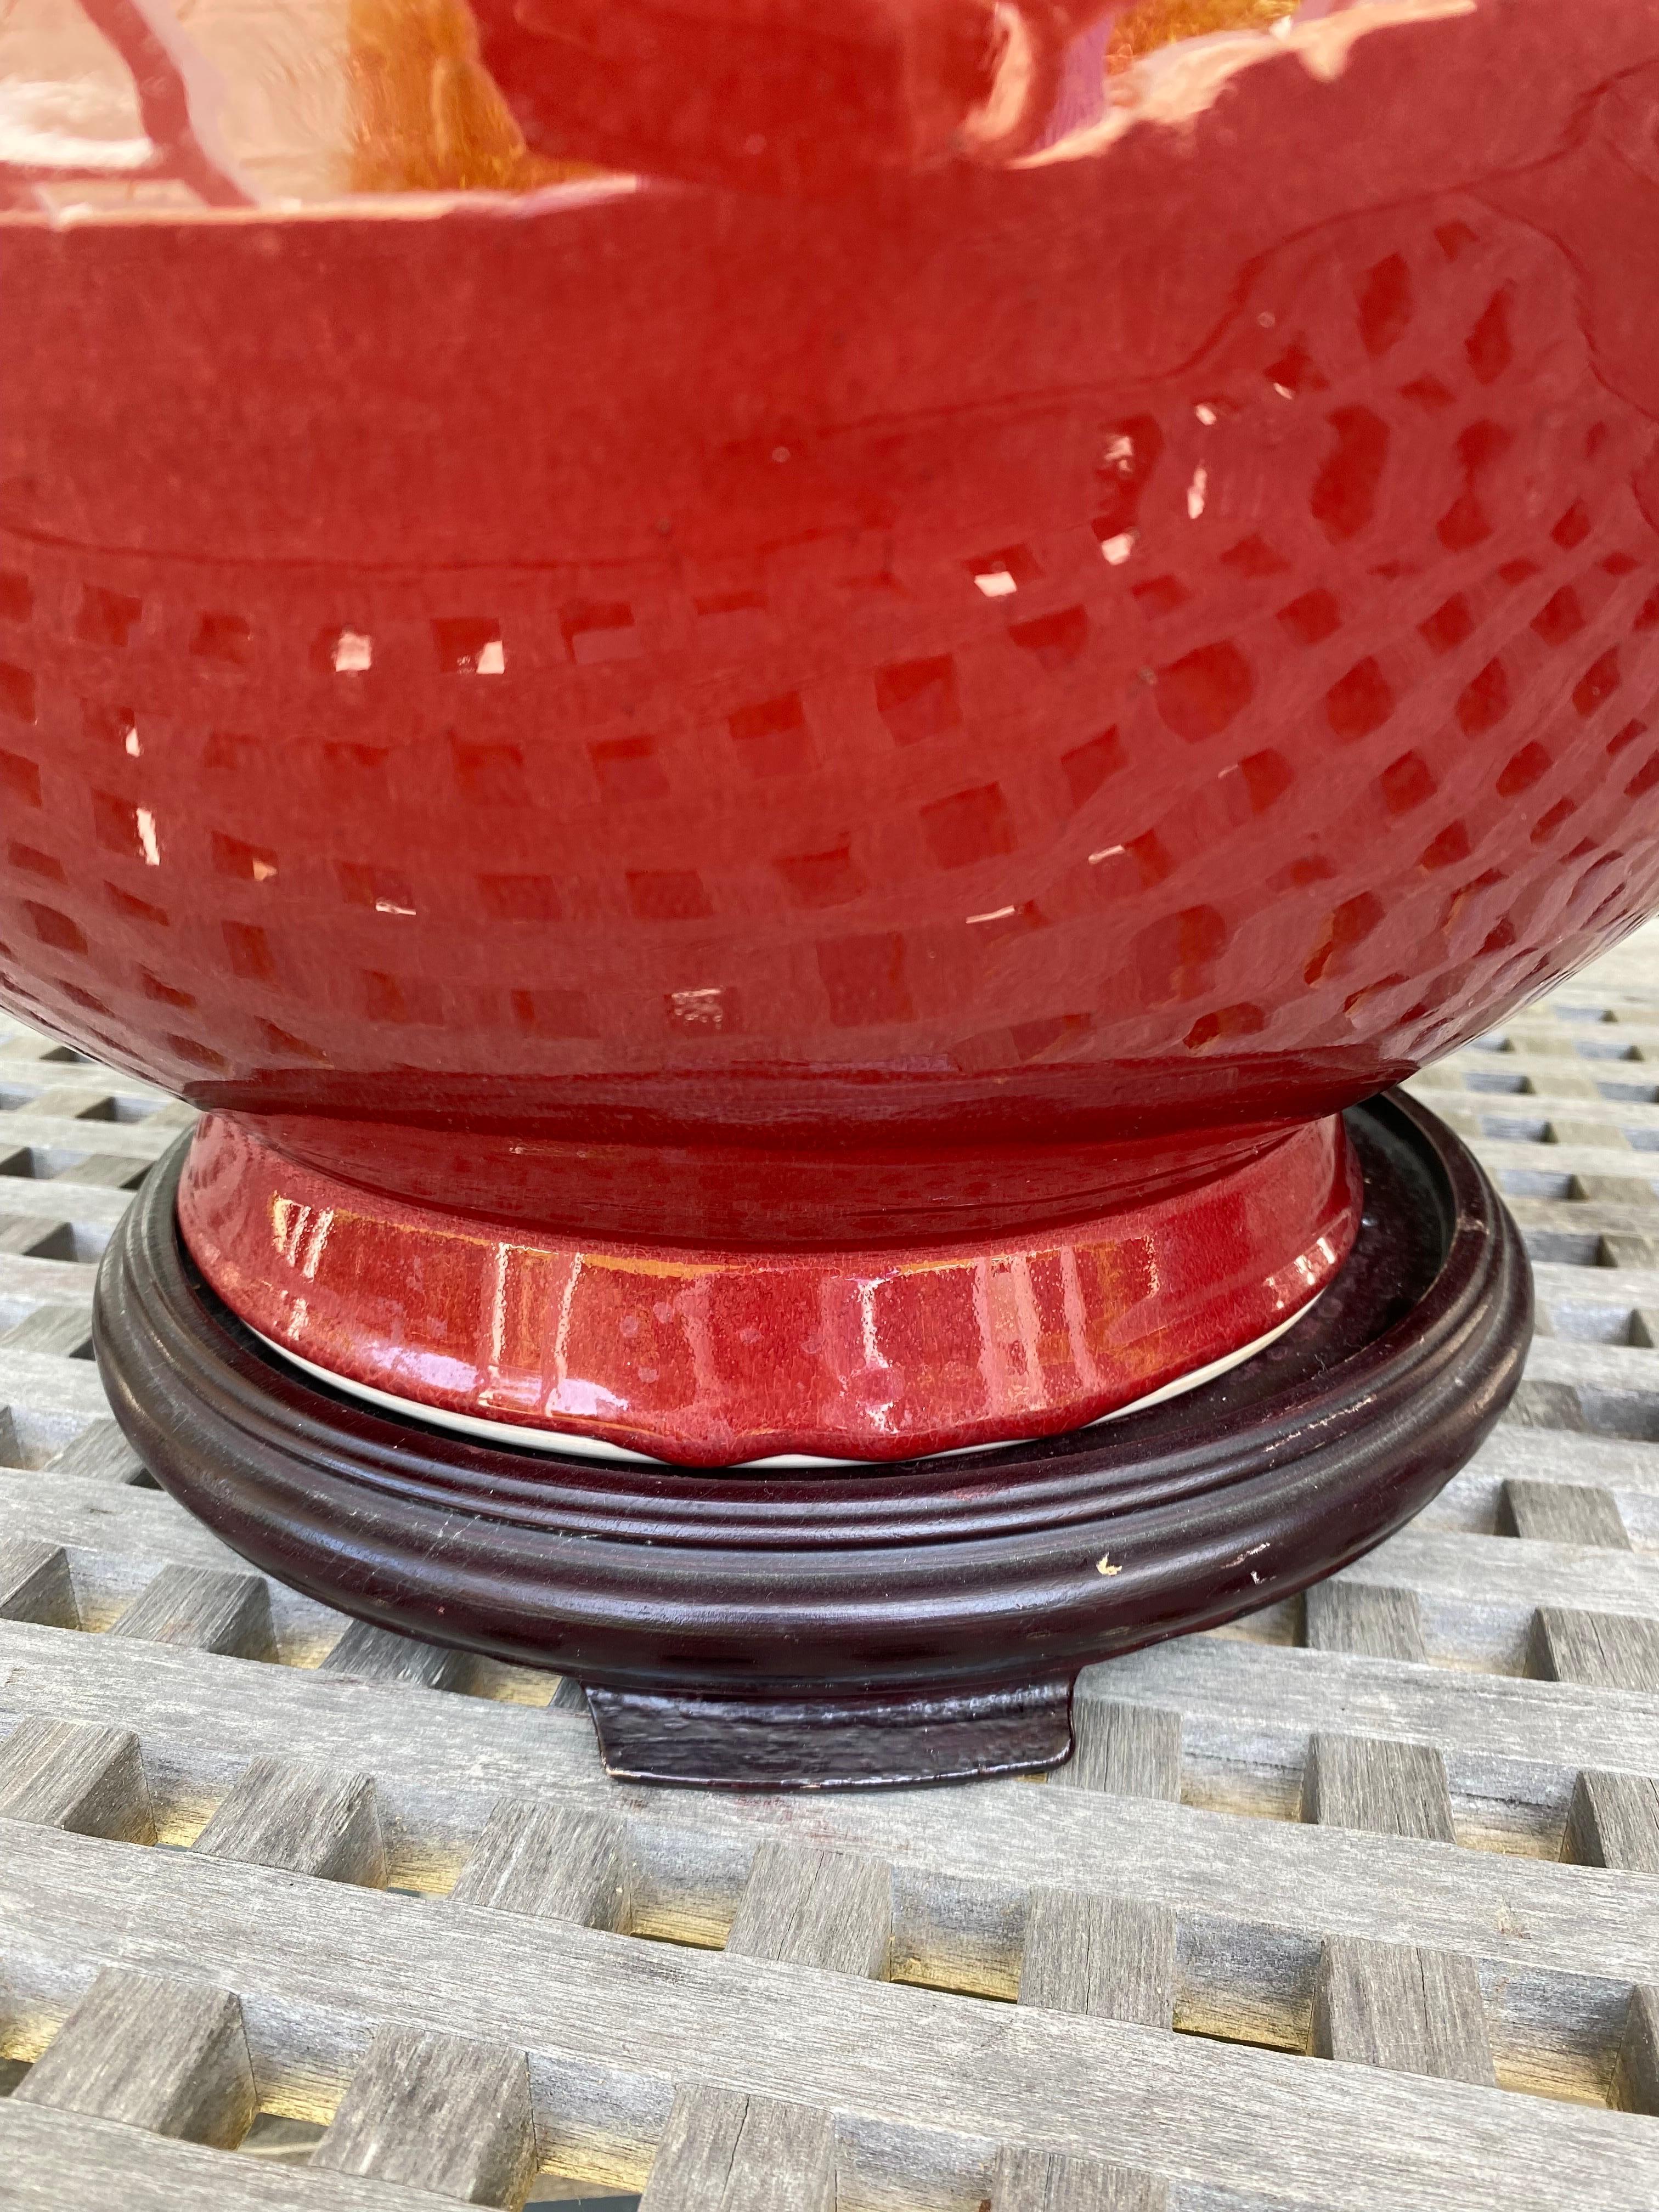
column 1156, row 23
column 429, row 117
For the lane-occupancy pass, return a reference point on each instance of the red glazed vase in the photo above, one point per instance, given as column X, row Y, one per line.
column 774, row 706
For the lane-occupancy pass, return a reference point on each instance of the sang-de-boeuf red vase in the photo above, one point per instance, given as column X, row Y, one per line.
column 773, row 704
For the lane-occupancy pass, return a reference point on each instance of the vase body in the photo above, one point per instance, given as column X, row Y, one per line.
column 775, row 751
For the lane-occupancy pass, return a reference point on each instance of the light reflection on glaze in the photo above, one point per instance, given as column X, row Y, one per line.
column 310, row 103
column 908, row 1352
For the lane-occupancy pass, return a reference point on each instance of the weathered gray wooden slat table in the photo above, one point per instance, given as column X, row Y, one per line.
column 1353, row 1905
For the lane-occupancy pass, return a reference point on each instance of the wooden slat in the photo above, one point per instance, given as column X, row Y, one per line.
column 1233, row 1691
column 592, row 2017
column 120, row 1536
column 29, row 1056
column 1539, row 1403
column 1111, row 1957
column 1377, row 1783
column 1636, row 2084
column 35, row 1583
column 369, row 1654
column 25, row 1233
column 441, row 1764
column 1622, row 1465
column 88, row 1780
column 440, row 2114
column 553, row 1863
column 1128, row 1751
column 1368, row 1622
column 64, row 1330
column 1623, row 1248
column 50, row 2160
column 1048, row 2181
column 100, row 1454
column 1614, row 1190
column 1454, row 1572
column 1568, row 1129
column 1562, row 1513
column 205, row 1611
column 36, row 1125
column 51, row 1206
column 152, row 2052
column 1613, row 1821
column 279, row 1813
column 723, row 2151
column 1603, row 1651
column 37, row 1282
column 815, row 1908
column 90, row 1097
column 1413, row 2011
column 1593, row 1370
column 110, row 1171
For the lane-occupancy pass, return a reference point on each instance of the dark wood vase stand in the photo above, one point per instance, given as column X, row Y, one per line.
column 814, row 1630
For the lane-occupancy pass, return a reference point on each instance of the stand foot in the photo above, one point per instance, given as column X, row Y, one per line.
column 831, row 1743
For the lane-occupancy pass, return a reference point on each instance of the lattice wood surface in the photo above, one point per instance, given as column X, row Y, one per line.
column 1353, row 1905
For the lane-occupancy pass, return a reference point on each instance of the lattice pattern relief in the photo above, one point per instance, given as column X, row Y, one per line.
column 799, row 795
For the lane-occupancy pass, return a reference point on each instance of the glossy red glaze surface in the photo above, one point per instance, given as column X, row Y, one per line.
column 711, row 1356
column 874, row 683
